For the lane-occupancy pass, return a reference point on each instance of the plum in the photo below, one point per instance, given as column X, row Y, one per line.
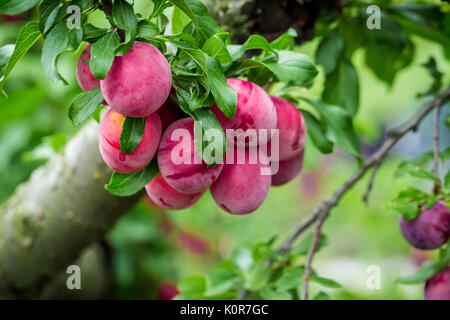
column 292, row 129
column 109, row 143
column 164, row 196
column 288, row 170
column 84, row 76
column 438, row 286
column 255, row 110
column 167, row 291
column 241, row 188
column 179, row 162
column 170, row 111
column 138, row 82
column 430, row 230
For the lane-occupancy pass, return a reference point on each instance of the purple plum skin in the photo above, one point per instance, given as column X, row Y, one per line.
column 241, row 189
column 138, row 82
column 292, row 129
column 164, row 196
column 255, row 109
column 109, row 143
column 188, row 178
column 84, row 76
column 430, row 230
column 288, row 170
column 438, row 286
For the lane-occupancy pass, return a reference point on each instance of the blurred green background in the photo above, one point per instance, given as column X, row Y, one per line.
column 149, row 247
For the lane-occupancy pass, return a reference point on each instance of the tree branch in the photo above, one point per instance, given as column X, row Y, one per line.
column 323, row 210
column 437, row 112
column 311, row 252
column 371, row 181
column 56, row 214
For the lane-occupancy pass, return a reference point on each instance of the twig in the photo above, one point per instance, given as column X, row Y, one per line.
column 437, row 185
column 393, row 137
column 371, row 181
column 311, row 252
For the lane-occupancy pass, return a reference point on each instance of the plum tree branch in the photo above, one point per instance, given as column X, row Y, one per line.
column 437, row 112
column 51, row 218
column 323, row 209
column 311, row 252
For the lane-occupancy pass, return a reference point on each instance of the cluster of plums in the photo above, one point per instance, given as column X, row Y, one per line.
column 431, row 230
column 139, row 84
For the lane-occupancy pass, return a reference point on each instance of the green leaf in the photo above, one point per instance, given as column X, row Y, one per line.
column 291, row 278
column 225, row 96
column 5, row 54
column 342, row 87
column 444, row 253
column 426, row 271
column 124, row 18
column 447, row 181
column 408, row 202
column 28, row 35
column 102, row 54
column 413, row 27
column 179, row 20
column 208, row 144
column 84, row 105
column 339, row 124
column 270, row 294
column 158, row 7
column 258, row 276
column 216, row 47
column 92, row 33
column 197, row 11
column 293, row 66
column 329, row 283
column 48, row 14
column 253, row 42
column 59, row 40
column 330, row 51
column 285, row 41
column 393, row 44
column 127, row 184
column 432, row 69
column 192, row 284
column 302, row 248
column 416, row 171
column 147, row 29
column 220, row 281
column 14, row 7
column 317, row 132
column 321, row 296
column 132, row 132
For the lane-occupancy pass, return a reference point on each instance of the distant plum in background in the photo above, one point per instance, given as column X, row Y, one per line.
column 430, row 230
column 109, row 143
column 438, row 286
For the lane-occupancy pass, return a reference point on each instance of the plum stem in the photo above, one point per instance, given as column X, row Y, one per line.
column 322, row 211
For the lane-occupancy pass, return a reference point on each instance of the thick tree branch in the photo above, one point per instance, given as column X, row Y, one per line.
column 49, row 220
column 323, row 210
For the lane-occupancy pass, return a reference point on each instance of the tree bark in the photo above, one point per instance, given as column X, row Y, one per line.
column 49, row 220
